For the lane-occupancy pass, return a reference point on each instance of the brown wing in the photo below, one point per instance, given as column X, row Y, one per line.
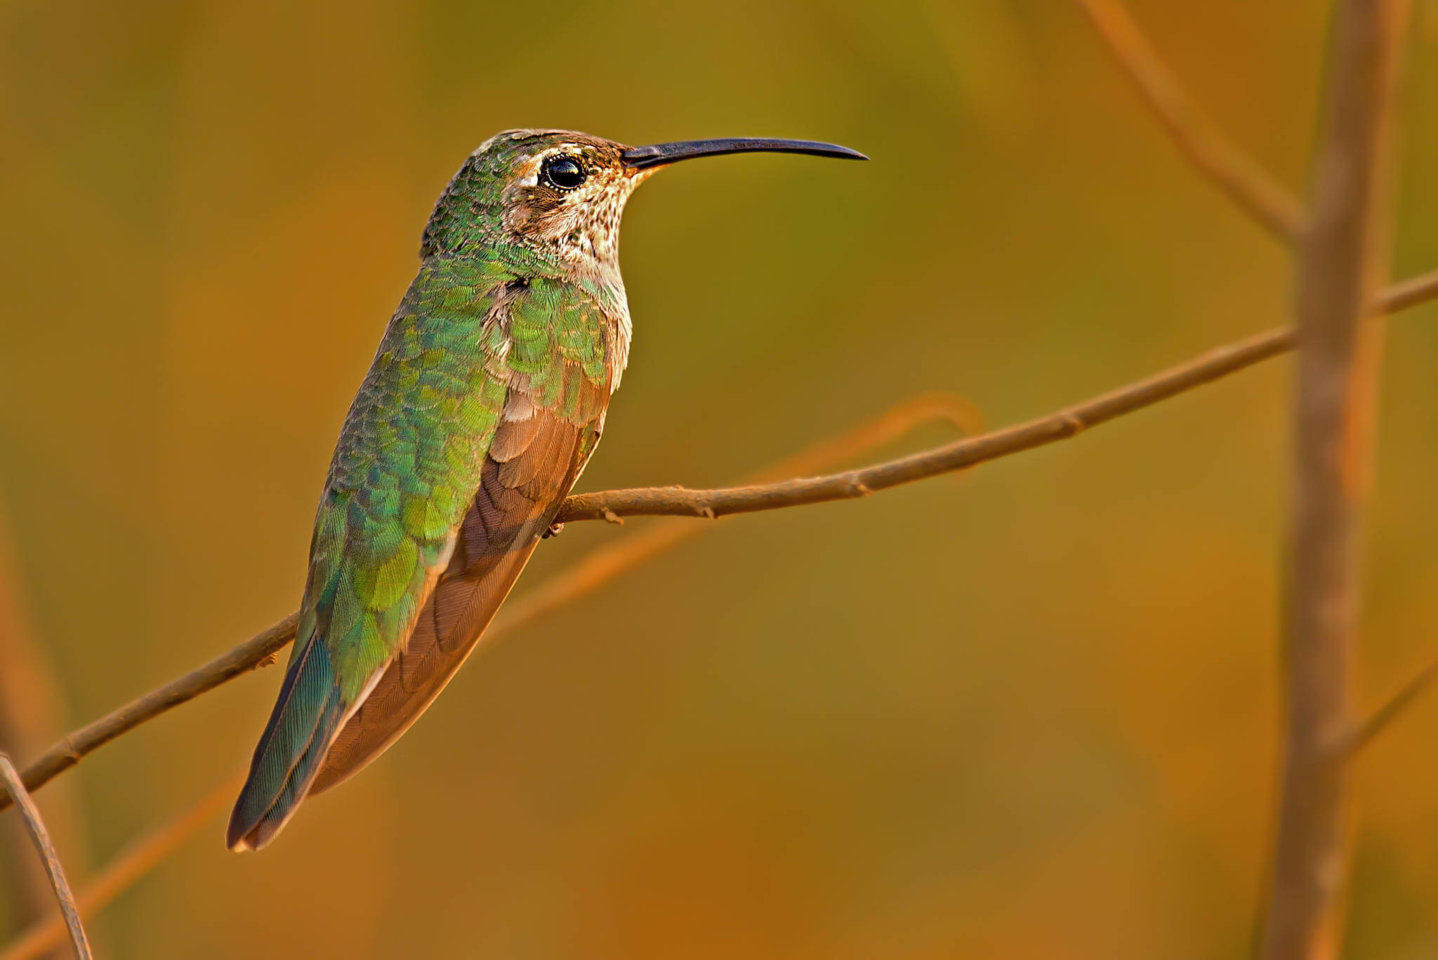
column 532, row 464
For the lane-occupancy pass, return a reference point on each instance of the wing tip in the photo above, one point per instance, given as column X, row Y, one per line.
column 243, row 837
column 302, row 725
column 250, row 829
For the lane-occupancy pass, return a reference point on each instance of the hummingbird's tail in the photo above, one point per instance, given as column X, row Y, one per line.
column 301, row 728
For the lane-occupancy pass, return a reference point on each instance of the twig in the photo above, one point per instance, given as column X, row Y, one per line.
column 120, row 874
column 1409, row 293
column 589, row 573
column 31, row 711
column 1211, row 152
column 613, row 506
column 1197, row 138
column 684, row 502
column 1337, row 386
column 1361, row 734
column 69, row 751
column 46, row 849
column 609, row 560
column 601, row 565
column 679, row 501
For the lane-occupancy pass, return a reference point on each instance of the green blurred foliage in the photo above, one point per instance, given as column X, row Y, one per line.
column 1030, row 712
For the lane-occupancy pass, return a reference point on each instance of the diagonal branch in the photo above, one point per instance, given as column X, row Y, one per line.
column 853, row 484
column 591, row 572
column 588, row 574
column 611, row 559
column 685, row 502
column 1211, row 152
column 1363, row 733
column 253, row 653
column 1209, row 149
column 1197, row 138
column 11, row 778
column 680, row 501
column 1408, row 293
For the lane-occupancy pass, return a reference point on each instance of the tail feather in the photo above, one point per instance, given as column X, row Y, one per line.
column 304, row 722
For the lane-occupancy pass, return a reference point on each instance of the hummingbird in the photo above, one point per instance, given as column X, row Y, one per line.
column 483, row 404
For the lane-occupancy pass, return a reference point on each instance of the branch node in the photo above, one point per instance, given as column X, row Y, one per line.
column 611, row 517
column 1073, row 424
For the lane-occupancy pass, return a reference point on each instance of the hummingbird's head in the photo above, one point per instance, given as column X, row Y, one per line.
column 562, row 193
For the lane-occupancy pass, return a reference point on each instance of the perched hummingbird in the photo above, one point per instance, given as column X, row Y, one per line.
column 483, row 404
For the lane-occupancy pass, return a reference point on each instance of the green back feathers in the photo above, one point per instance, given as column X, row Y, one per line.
column 516, row 328
column 472, row 333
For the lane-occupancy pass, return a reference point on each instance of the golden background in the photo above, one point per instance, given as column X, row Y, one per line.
column 1028, row 712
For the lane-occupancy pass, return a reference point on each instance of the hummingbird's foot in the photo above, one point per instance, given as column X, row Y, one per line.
column 553, row 531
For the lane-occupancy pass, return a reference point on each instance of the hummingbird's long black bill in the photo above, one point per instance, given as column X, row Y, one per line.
column 659, row 154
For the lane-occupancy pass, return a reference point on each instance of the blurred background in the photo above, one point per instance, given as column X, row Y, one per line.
column 1026, row 712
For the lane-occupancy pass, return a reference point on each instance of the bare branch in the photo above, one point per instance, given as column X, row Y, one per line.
column 1338, row 261
column 137, row 860
column 591, row 572
column 1363, row 733
column 595, row 569
column 685, row 502
column 31, row 814
column 681, row 501
column 247, row 656
column 1197, row 138
column 611, row 559
column 31, row 712
column 1211, row 152
column 1409, row 293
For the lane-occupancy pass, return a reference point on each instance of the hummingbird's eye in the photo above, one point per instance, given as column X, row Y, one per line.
column 562, row 173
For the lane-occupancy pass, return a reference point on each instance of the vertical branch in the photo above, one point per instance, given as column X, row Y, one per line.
column 13, row 785
column 1338, row 266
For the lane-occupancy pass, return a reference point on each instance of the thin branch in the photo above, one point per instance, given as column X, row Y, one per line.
column 1409, row 293
column 588, row 574
column 594, row 570
column 253, row 653
column 609, row 560
column 1363, row 733
column 120, row 874
column 1338, row 261
column 591, row 572
column 31, row 711
column 31, row 814
column 1066, row 423
column 1197, row 138
column 1211, row 152
column 681, row 501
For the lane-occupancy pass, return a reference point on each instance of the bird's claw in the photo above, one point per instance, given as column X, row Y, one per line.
column 553, row 531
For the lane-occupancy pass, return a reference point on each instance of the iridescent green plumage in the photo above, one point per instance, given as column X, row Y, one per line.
column 492, row 338
column 485, row 400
